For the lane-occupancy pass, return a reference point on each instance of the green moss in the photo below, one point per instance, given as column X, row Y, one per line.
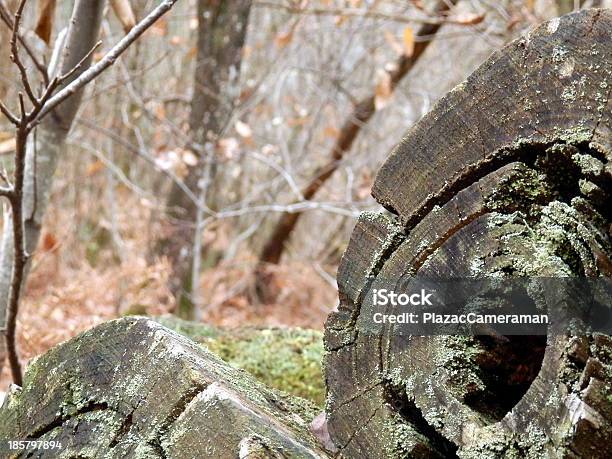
column 135, row 309
column 196, row 331
column 516, row 192
column 285, row 359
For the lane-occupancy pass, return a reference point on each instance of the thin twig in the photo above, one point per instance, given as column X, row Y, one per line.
column 77, row 67
column 6, row 112
column 4, row 177
column 25, row 81
column 5, row 16
column 356, row 13
column 22, row 109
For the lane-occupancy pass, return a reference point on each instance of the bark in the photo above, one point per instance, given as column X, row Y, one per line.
column 5, row 37
column 133, row 388
column 221, row 34
column 46, row 143
column 507, row 176
column 362, row 113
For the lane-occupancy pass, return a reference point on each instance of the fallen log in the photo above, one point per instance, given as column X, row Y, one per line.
column 508, row 176
column 133, row 388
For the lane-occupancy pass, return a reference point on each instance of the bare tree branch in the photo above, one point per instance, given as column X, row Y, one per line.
column 6, row 112
column 5, row 16
column 361, row 114
column 108, row 60
column 438, row 19
column 15, row 55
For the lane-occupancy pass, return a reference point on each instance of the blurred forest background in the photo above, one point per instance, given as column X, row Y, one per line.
column 216, row 170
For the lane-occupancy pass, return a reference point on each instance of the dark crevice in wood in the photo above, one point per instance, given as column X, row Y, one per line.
column 571, row 258
column 60, row 420
column 359, row 428
column 526, row 153
column 178, row 409
column 397, row 398
column 422, row 257
column 508, row 366
column 562, row 177
column 357, row 395
column 396, row 241
column 123, row 429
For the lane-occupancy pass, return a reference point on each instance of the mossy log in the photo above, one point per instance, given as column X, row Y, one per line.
column 287, row 359
column 508, row 175
column 133, row 388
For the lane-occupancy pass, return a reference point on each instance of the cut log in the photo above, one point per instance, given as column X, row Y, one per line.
column 133, row 388
column 508, row 175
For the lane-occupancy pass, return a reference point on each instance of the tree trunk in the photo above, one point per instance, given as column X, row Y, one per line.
column 46, row 142
column 133, row 388
column 5, row 37
column 509, row 175
column 221, row 34
column 363, row 111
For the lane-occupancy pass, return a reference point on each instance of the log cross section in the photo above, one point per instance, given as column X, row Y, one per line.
column 508, row 175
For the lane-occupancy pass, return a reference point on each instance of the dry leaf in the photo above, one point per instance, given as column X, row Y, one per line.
column 243, row 129
column 338, row 20
column 159, row 27
column 418, row 4
column 124, row 13
column 382, row 91
column 94, row 168
column 7, row 146
column 297, row 121
column 190, row 158
column 172, row 160
column 191, row 52
column 246, row 51
column 364, row 188
column 331, row 131
column 44, row 22
column 49, row 242
column 393, row 42
column 529, row 4
column 283, row 39
column 408, row 41
column 269, row 149
column 160, row 111
column 228, row 147
column 469, row 19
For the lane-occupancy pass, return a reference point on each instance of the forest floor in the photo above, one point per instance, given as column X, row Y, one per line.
column 65, row 295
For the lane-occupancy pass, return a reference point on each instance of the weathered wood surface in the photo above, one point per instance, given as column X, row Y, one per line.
column 509, row 175
column 133, row 388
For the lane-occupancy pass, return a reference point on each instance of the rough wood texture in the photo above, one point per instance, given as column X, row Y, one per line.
column 508, row 175
column 132, row 388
